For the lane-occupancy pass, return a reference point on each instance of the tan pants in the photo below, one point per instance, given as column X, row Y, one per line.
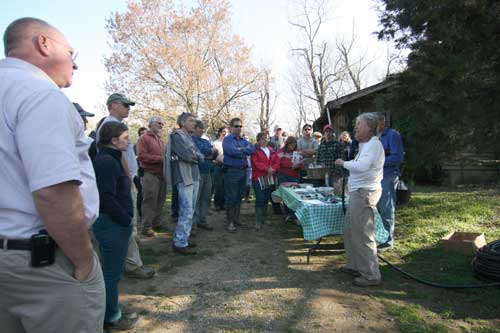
column 49, row 299
column 133, row 259
column 359, row 233
column 154, row 192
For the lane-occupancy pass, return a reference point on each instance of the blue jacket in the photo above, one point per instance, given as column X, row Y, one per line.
column 205, row 147
column 393, row 148
column 236, row 151
column 114, row 186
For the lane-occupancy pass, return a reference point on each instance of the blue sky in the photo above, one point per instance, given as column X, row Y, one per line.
column 262, row 23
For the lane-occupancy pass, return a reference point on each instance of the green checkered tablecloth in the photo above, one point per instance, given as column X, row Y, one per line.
column 320, row 220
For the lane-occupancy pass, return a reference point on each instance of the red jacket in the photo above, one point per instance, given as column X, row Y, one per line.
column 150, row 152
column 260, row 162
column 286, row 165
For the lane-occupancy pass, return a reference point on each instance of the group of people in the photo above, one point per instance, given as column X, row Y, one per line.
column 59, row 207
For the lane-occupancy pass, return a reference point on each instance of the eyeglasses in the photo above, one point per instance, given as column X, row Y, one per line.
column 238, row 126
column 70, row 49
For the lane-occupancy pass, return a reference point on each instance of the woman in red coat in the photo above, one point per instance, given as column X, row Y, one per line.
column 289, row 168
column 265, row 164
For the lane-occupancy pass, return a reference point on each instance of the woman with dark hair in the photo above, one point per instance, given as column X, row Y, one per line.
column 265, row 163
column 290, row 167
column 113, row 227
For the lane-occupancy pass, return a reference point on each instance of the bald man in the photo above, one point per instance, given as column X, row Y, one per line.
column 51, row 280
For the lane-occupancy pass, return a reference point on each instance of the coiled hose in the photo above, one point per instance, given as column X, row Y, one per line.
column 485, row 264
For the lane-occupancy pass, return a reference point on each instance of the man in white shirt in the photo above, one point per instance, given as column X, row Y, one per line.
column 47, row 183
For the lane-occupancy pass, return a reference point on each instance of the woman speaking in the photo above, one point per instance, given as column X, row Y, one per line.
column 366, row 171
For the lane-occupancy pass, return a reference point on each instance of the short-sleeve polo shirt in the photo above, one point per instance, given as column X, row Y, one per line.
column 42, row 143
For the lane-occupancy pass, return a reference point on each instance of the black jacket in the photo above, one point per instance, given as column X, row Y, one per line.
column 114, row 186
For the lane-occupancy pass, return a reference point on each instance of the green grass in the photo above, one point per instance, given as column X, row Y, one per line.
column 420, row 224
column 410, row 319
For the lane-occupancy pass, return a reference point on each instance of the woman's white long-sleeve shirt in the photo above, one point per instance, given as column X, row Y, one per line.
column 367, row 168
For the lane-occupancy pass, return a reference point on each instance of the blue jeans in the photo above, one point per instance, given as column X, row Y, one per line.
column 282, row 178
column 262, row 196
column 234, row 186
column 218, row 187
column 174, row 206
column 203, row 202
column 387, row 204
column 113, row 241
column 187, row 203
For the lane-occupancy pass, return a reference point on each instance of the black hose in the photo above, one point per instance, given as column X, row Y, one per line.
column 486, row 264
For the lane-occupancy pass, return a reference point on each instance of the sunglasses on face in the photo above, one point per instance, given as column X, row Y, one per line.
column 238, row 126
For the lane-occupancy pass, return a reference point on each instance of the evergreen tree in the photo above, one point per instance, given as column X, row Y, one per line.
column 448, row 100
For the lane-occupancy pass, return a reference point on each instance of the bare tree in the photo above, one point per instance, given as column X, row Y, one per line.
column 267, row 99
column 354, row 67
column 322, row 69
column 395, row 61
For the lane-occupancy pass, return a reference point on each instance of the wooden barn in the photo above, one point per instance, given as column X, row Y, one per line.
column 468, row 168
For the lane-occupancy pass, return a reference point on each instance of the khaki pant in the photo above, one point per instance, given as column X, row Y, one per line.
column 359, row 233
column 154, row 192
column 133, row 260
column 49, row 299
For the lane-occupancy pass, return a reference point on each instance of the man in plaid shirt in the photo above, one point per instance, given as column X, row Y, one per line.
column 330, row 150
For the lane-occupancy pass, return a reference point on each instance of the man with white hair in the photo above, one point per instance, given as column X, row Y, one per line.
column 150, row 151
column 50, row 279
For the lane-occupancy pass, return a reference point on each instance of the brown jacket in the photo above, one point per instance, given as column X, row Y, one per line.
column 150, row 150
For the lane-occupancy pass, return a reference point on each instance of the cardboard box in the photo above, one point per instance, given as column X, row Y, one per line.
column 466, row 243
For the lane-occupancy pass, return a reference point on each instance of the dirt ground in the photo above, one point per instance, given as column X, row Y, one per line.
column 251, row 281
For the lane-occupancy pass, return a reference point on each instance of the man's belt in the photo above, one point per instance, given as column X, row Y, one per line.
column 235, row 167
column 15, row 244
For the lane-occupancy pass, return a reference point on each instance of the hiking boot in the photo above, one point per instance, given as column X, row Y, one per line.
column 148, row 232
column 364, row 282
column 184, row 250
column 141, row 273
column 265, row 220
column 236, row 218
column 125, row 323
column 231, row 228
column 259, row 217
column 350, row 271
column 230, row 217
